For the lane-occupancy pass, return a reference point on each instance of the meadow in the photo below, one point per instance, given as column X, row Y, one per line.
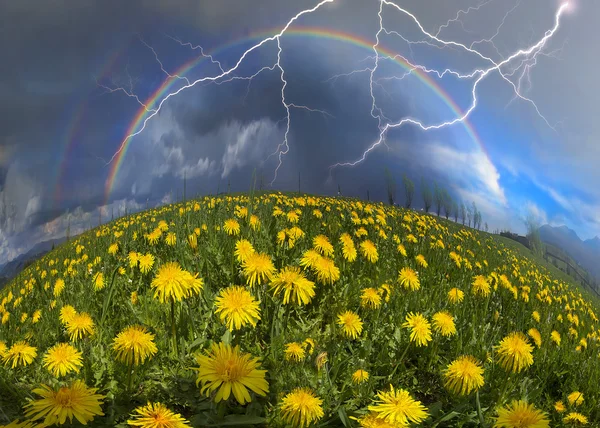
column 277, row 310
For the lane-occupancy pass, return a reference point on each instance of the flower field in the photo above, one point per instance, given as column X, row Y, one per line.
column 284, row 310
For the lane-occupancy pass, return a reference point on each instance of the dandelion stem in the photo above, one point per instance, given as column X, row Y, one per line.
column 479, row 412
column 129, row 376
column 173, row 329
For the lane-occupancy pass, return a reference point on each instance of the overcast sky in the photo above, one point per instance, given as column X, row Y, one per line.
column 75, row 76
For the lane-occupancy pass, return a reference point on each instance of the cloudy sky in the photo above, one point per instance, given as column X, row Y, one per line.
column 78, row 77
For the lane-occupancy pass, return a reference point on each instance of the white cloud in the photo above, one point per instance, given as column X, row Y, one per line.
column 77, row 220
column 538, row 214
column 249, row 143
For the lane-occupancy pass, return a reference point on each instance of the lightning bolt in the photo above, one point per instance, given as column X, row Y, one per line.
column 480, row 74
column 506, row 68
column 198, row 47
column 497, row 33
column 283, row 147
column 162, row 67
column 457, row 17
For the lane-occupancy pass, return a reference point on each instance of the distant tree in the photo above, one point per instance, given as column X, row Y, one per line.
column 475, row 215
column 438, row 195
column 447, row 203
column 390, row 185
column 427, row 196
column 463, row 212
column 455, row 211
column 486, row 226
column 68, row 232
column 533, row 234
column 469, row 215
column 409, row 190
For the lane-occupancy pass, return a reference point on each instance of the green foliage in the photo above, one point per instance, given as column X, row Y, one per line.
column 519, row 285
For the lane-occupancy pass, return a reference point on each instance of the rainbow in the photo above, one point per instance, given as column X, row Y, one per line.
column 315, row 32
column 74, row 126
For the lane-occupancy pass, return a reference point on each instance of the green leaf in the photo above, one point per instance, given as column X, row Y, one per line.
column 226, row 338
column 446, row 418
column 344, row 417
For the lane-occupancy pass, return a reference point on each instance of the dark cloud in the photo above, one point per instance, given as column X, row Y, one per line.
column 213, row 134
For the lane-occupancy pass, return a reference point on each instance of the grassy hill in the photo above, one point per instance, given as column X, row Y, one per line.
column 278, row 309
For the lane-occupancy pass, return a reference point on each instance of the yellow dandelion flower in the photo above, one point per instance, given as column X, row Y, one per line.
column 370, row 298
column 536, row 316
column 535, row 336
column 555, row 337
column 398, row 407
column 559, row 407
column 61, row 359
column 113, row 249
column 369, row 251
column 481, row 287
column 575, row 418
column 237, row 307
column 171, row 239
column 19, row 354
column 59, row 286
column 80, row 325
column 173, row 283
column 520, row 414
column 348, row 249
column 421, row 260
column 401, row 250
column 98, row 281
column 293, row 217
column 146, row 262
column 134, row 297
column 575, row 398
column 464, row 375
column 301, row 407
column 157, row 415
column 296, row 287
column 134, row 345
column 360, row 376
column 372, row 420
column 294, row 352
column 351, row 324
column 420, row 330
column 326, row 270
column 243, row 250
column 133, row 258
column 67, row 313
column 258, row 268
column 309, row 344
column 228, row 370
column 515, row 353
column 192, row 241
column 76, row 401
column 231, row 227
column 322, row 245
column 254, row 222
column 455, row 296
column 409, row 279
column 309, row 259
column 443, row 322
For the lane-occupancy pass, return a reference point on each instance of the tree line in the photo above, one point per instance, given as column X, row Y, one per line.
column 435, row 197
